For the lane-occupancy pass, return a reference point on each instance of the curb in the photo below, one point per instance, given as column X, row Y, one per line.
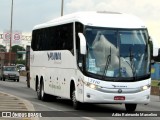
column 12, row 103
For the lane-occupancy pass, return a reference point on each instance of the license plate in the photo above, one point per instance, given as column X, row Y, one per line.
column 119, row 97
column 11, row 76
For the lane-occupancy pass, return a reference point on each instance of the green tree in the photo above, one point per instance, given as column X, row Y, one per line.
column 17, row 48
column 2, row 48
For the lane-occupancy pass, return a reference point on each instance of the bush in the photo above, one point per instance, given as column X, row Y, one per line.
column 155, row 83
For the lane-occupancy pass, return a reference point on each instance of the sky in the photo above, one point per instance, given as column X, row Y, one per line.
column 28, row 13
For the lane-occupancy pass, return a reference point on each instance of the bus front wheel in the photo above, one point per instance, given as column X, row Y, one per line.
column 76, row 104
column 130, row 107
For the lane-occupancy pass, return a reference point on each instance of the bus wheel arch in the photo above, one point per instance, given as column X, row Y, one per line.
column 72, row 86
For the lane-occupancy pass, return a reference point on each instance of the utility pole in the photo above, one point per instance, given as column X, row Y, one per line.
column 10, row 46
column 62, row 7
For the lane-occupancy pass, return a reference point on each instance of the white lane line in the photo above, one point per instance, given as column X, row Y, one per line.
column 87, row 118
column 47, row 106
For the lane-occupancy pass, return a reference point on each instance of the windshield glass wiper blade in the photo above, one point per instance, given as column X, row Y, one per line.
column 133, row 68
column 108, row 61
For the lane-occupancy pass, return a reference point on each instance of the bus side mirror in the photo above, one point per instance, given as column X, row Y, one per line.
column 82, row 43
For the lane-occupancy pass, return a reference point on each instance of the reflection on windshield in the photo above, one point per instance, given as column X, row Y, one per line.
column 117, row 53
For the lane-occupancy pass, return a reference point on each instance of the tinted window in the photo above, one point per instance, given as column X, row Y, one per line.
column 53, row 38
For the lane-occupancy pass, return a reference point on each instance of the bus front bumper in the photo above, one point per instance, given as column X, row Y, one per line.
column 95, row 96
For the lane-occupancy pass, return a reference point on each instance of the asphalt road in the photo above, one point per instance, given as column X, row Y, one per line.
column 61, row 109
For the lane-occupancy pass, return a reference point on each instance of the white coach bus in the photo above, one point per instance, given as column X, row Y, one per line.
column 92, row 57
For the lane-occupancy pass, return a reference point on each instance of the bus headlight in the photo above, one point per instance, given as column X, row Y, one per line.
column 90, row 85
column 145, row 87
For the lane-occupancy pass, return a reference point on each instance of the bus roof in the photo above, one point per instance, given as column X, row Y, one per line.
column 99, row 19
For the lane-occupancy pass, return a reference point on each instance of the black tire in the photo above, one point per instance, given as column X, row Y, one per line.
column 44, row 96
column 41, row 95
column 4, row 79
column 76, row 104
column 39, row 91
column 130, row 107
column 17, row 80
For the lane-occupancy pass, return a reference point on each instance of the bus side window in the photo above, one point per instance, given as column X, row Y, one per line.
column 65, row 37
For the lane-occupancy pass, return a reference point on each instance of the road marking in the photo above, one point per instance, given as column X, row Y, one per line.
column 47, row 106
column 87, row 118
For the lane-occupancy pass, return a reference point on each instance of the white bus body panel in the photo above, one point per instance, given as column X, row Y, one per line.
column 56, row 73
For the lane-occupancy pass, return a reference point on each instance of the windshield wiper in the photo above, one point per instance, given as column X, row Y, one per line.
column 108, row 61
column 133, row 68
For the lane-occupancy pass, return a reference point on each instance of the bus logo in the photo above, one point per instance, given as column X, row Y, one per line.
column 54, row 56
column 119, row 90
column 116, row 86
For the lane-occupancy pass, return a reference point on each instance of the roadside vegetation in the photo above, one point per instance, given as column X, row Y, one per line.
column 155, row 82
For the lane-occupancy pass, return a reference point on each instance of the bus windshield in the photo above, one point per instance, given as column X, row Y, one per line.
column 117, row 53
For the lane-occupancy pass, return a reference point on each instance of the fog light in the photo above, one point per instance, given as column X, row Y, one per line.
column 147, row 96
column 145, row 87
column 88, row 95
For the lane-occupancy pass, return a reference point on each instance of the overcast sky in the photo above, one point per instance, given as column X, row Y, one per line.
column 28, row 13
